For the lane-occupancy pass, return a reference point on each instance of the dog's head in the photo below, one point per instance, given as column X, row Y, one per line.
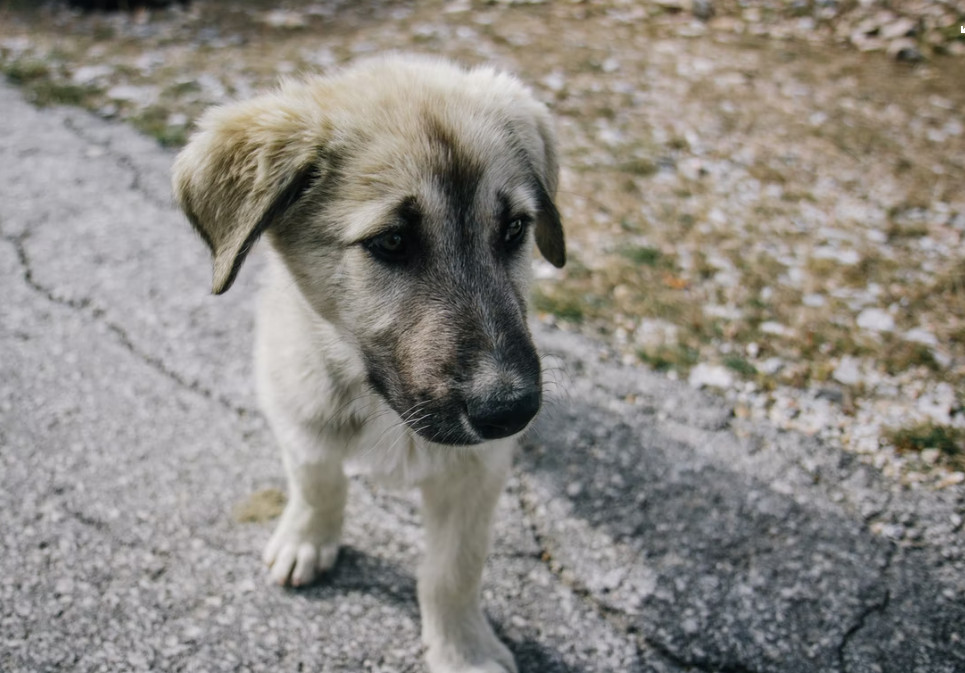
column 404, row 196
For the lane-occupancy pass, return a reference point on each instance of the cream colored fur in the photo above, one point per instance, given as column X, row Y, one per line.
column 248, row 160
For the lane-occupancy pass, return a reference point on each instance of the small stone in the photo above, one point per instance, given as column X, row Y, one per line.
column 89, row 74
column 554, row 81
column 703, row 9
column 776, row 328
column 282, row 18
column 952, row 479
column 899, row 28
column 772, row 365
column 848, row 371
column 710, row 376
column 653, row 333
column 921, row 336
column 140, row 95
column 904, row 49
column 846, row 257
column 876, row 320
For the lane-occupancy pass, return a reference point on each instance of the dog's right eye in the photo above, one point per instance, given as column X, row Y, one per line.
column 392, row 246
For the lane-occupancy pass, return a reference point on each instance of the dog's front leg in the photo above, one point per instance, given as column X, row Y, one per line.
column 306, row 540
column 457, row 508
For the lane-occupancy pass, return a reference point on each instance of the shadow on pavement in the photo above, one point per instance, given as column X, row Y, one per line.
column 359, row 571
column 719, row 570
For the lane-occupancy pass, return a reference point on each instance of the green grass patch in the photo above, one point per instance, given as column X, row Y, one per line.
column 949, row 441
column 642, row 167
column 905, row 355
column 664, row 358
column 153, row 122
column 45, row 93
column 740, row 365
column 42, row 87
column 25, row 71
column 564, row 307
column 644, row 255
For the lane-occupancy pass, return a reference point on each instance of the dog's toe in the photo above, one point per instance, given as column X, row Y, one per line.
column 298, row 564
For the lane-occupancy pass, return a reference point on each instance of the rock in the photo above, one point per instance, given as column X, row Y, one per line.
column 703, row 9
column 904, row 49
column 899, row 28
column 848, row 371
column 938, row 404
column 89, row 74
column 554, row 81
column 921, row 335
column 282, row 18
column 876, row 320
column 655, row 333
column 772, row 365
column 139, row 95
column 776, row 328
column 847, row 257
column 710, row 376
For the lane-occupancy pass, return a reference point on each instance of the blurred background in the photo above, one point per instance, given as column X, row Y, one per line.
column 764, row 198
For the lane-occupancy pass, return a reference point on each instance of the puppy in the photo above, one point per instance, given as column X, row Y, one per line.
column 400, row 199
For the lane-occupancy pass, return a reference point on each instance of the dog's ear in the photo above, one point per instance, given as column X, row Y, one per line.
column 245, row 167
column 549, row 230
column 549, row 226
column 539, row 143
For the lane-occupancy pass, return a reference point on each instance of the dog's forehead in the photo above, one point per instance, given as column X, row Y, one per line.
column 447, row 166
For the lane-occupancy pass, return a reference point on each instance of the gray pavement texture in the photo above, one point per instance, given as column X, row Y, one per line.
column 644, row 529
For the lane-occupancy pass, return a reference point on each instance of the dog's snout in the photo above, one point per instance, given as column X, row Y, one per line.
column 500, row 416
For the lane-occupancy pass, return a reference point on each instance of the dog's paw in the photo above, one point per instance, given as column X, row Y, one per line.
column 482, row 654
column 298, row 563
column 298, row 552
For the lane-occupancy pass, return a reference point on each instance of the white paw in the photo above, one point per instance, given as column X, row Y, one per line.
column 480, row 652
column 299, row 550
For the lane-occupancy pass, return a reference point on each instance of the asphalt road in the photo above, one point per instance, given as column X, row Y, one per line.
column 645, row 528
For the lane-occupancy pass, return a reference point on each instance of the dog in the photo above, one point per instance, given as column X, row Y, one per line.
column 401, row 199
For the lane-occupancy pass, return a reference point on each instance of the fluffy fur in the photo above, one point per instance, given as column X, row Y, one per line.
column 401, row 199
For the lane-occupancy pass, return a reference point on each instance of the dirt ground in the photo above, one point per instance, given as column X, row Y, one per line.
column 766, row 198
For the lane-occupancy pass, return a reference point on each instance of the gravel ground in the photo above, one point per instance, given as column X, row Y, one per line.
column 762, row 198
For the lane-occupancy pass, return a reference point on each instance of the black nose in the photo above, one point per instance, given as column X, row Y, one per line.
column 501, row 416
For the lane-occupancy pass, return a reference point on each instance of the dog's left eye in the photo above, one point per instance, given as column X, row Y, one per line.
column 514, row 231
column 392, row 246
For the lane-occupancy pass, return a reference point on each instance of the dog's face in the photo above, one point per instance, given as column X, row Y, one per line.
column 404, row 196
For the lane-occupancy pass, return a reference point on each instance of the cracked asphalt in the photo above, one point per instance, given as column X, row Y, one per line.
column 645, row 528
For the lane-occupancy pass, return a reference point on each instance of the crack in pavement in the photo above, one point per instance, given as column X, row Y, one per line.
column 877, row 607
column 123, row 161
column 98, row 314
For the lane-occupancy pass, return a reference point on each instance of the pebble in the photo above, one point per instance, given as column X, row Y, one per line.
column 282, row 18
column 848, row 371
column 710, row 376
column 89, row 74
column 876, row 320
column 652, row 333
column 922, row 336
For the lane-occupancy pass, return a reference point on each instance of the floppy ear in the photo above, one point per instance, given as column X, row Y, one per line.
column 248, row 164
column 541, row 148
